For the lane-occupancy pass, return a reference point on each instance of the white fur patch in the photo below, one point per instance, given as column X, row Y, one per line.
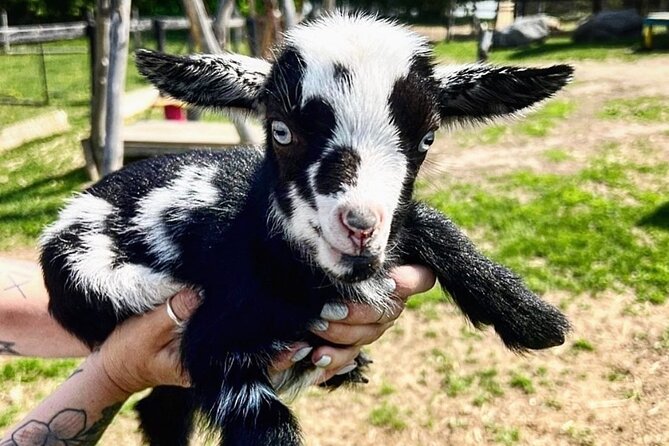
column 127, row 286
column 81, row 209
column 192, row 189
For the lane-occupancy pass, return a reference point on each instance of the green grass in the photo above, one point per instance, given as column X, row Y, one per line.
column 536, row 124
column 556, row 49
column 582, row 345
column 522, row 382
column 557, row 155
column 643, row 109
column 584, row 240
column 387, row 416
column 27, row 370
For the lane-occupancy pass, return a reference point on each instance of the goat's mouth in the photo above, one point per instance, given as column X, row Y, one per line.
column 348, row 267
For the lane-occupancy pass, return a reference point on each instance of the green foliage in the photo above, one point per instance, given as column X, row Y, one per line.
column 585, row 240
column 556, row 155
column 643, row 109
column 27, row 370
column 387, row 416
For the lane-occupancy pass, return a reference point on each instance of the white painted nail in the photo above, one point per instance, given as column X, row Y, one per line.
column 389, row 284
column 334, row 312
column 320, row 325
column 344, row 370
column 323, row 362
column 301, row 354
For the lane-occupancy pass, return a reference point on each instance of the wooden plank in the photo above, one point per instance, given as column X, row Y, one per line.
column 139, row 100
column 44, row 125
column 183, row 134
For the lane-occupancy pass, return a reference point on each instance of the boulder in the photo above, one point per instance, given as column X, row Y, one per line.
column 606, row 26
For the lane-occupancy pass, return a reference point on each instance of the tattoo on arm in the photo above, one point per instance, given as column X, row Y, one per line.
column 7, row 348
column 16, row 284
column 67, row 428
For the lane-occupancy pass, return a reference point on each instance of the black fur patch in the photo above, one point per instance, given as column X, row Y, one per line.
column 342, row 74
column 338, row 168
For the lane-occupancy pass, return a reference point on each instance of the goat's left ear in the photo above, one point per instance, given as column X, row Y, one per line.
column 480, row 92
column 221, row 81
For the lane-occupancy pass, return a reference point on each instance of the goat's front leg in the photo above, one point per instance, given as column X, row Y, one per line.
column 486, row 292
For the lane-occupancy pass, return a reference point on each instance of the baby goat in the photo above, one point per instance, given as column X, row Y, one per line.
column 319, row 214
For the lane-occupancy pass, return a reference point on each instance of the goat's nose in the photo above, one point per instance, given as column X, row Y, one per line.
column 361, row 224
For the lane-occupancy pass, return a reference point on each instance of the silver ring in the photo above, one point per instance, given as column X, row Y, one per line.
column 172, row 315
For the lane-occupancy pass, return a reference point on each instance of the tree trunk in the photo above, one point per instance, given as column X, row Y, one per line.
column 223, row 15
column 112, row 35
column 205, row 41
column 289, row 14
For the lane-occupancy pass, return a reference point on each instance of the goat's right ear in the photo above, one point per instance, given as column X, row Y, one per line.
column 221, row 81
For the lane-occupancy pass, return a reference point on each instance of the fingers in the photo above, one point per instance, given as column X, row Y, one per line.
column 158, row 321
column 412, row 279
column 354, row 335
column 334, row 361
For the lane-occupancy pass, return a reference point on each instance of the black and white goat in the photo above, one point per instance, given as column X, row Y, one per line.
column 350, row 108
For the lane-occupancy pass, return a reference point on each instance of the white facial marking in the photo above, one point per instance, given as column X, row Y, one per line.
column 377, row 55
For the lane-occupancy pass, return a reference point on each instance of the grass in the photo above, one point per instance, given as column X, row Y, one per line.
column 556, row 49
column 522, row 382
column 582, row 345
column 642, row 109
column 387, row 416
column 586, row 232
column 27, row 370
column 537, row 124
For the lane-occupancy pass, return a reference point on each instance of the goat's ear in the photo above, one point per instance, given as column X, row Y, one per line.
column 481, row 92
column 221, row 81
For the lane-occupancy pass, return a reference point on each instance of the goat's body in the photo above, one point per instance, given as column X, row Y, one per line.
column 319, row 215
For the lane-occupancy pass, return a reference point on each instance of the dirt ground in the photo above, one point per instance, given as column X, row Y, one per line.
column 436, row 381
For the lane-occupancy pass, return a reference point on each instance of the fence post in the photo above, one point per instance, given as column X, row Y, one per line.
column 4, row 24
column 159, row 32
column 136, row 34
column 92, row 49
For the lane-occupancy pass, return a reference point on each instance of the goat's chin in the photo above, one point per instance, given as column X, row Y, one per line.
column 345, row 267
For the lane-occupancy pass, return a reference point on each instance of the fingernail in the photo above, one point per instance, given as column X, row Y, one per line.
column 334, row 312
column 301, row 354
column 323, row 362
column 319, row 325
column 389, row 284
column 346, row 369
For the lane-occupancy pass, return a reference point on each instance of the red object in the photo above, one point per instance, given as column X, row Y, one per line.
column 175, row 113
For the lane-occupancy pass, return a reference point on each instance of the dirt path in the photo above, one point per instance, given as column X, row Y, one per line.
column 594, row 84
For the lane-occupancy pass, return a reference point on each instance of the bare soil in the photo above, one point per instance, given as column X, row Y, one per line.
column 451, row 385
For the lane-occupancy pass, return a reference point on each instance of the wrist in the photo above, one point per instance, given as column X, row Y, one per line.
column 106, row 380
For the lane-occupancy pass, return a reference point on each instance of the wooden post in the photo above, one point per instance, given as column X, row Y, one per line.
column 222, row 20
column 136, row 34
column 329, row 5
column 112, row 35
column 159, row 32
column 203, row 35
column 289, row 14
column 4, row 25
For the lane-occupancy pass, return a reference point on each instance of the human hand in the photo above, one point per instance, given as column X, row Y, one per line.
column 356, row 325
column 143, row 351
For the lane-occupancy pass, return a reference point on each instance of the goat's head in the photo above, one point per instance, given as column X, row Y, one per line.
column 350, row 107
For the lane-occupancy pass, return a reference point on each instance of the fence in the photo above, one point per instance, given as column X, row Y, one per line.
column 29, row 42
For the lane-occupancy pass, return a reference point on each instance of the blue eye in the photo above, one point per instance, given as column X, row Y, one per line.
column 281, row 133
column 426, row 142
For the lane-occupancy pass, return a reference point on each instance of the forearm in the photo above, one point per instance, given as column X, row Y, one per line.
column 26, row 328
column 77, row 413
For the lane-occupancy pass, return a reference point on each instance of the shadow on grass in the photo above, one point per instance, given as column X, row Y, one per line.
column 659, row 218
column 46, row 187
column 661, row 45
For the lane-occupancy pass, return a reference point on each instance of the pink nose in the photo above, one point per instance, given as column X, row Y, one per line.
column 360, row 224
